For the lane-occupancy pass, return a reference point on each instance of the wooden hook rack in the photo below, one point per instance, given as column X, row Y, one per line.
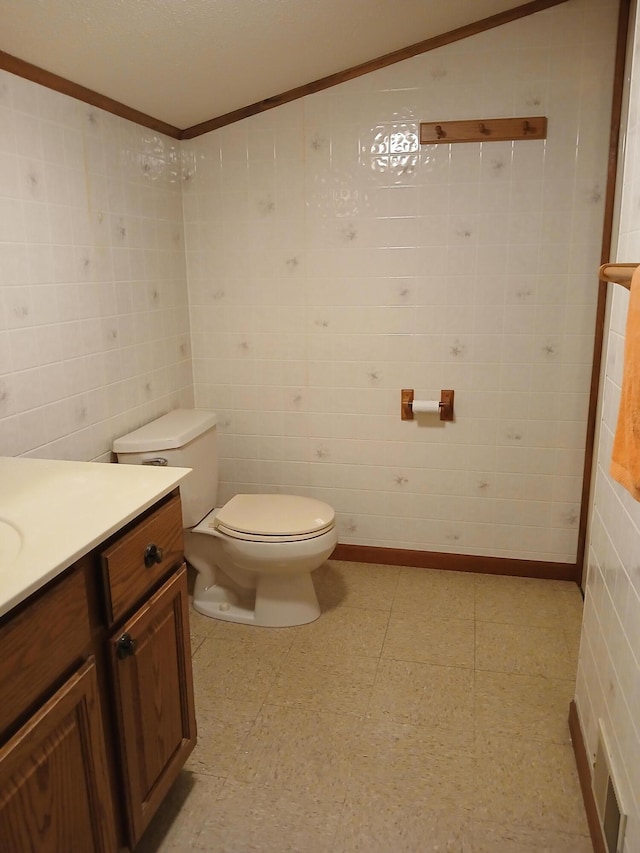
column 618, row 273
column 483, row 130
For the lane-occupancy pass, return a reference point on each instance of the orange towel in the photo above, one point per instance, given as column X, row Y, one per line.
column 625, row 459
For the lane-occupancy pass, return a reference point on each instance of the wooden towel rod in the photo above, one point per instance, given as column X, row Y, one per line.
column 618, row 273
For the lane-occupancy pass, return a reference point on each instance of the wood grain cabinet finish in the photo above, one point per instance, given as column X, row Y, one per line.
column 74, row 694
column 141, row 557
column 54, row 788
column 151, row 667
column 42, row 643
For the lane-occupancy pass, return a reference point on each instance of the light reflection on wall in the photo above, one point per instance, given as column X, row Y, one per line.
column 393, row 151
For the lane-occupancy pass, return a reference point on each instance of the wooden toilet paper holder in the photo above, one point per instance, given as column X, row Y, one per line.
column 445, row 404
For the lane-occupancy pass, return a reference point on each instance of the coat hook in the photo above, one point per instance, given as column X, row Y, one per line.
column 439, row 131
column 484, row 130
column 526, row 127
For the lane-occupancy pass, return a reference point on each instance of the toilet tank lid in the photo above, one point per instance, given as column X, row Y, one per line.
column 175, row 429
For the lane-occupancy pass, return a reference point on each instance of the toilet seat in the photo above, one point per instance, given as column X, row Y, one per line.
column 270, row 518
column 255, row 537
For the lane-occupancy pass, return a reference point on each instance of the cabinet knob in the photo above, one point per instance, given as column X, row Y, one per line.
column 152, row 554
column 125, row 646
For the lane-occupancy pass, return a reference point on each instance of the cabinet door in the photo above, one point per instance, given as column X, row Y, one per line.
column 153, row 685
column 54, row 789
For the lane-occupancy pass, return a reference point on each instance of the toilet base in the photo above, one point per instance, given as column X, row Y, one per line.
column 281, row 601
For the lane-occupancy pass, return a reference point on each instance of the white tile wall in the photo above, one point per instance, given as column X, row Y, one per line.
column 608, row 684
column 332, row 261
column 94, row 325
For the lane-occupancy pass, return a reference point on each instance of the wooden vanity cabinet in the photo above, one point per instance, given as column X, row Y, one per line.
column 55, row 790
column 54, row 786
column 149, row 652
column 150, row 656
column 96, row 694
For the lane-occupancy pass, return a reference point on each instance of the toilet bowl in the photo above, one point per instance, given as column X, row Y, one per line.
column 254, row 556
column 267, row 546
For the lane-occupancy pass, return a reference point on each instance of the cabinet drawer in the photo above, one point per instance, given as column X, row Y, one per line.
column 40, row 644
column 140, row 558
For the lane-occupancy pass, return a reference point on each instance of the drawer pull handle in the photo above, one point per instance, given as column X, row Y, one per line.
column 125, row 646
column 152, row 555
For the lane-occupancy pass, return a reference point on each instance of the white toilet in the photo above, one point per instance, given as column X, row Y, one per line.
column 255, row 555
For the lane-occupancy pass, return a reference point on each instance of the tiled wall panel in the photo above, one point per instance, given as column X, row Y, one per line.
column 94, row 324
column 332, row 261
column 608, row 686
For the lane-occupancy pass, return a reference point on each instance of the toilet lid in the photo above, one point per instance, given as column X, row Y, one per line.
column 274, row 515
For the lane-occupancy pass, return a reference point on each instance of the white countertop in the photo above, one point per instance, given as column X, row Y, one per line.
column 53, row 512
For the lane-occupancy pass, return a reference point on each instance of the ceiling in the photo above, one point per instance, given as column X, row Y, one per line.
column 187, row 61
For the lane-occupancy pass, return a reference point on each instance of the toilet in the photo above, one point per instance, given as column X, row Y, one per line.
column 254, row 556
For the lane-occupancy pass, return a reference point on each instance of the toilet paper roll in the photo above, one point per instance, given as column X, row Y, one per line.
column 431, row 406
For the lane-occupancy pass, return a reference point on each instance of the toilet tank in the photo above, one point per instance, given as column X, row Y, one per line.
column 185, row 438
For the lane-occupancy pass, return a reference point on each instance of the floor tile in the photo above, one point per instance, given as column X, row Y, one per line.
column 200, row 626
column 494, row 838
column 222, row 729
column 571, row 605
column 522, row 601
column 344, row 632
column 434, row 593
column 196, row 642
column 299, row 751
column 311, row 681
column 231, row 670
column 572, row 639
column 523, row 649
column 523, row 707
column 410, row 764
column 424, row 710
column 177, row 824
column 427, row 639
column 254, row 636
column 251, row 819
column 378, row 824
column 355, row 585
column 530, row 785
column 439, row 698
